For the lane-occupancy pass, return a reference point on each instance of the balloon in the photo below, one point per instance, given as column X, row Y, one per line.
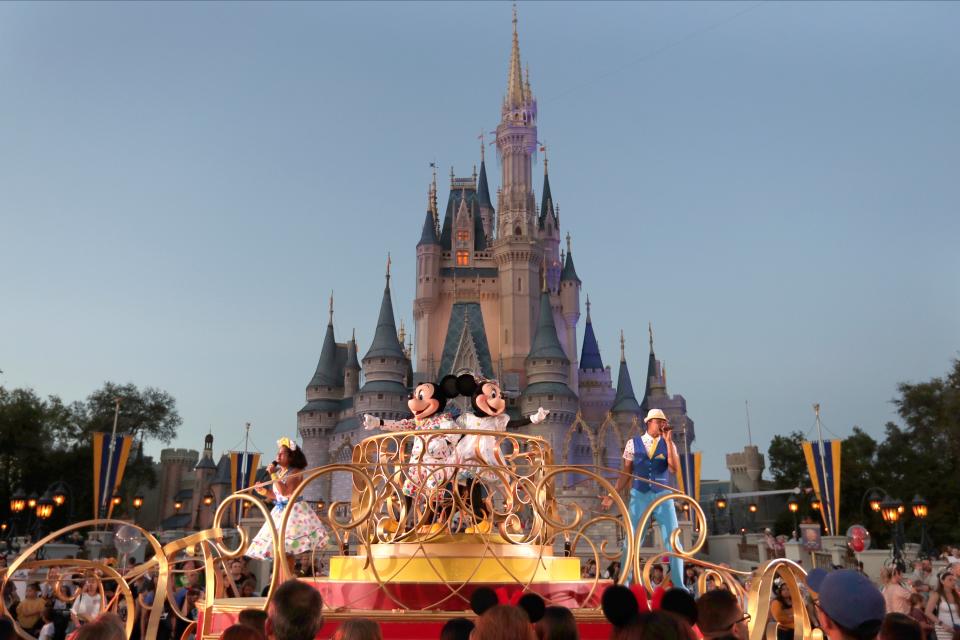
column 127, row 539
column 858, row 536
column 857, row 544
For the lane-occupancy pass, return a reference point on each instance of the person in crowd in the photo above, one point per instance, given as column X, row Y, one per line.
column 680, row 602
column 651, row 457
column 720, row 616
column 457, row 629
column 304, row 531
column 296, row 612
column 241, row 632
column 88, row 605
column 899, row 626
column 690, row 576
column 30, row 610
column 848, row 606
column 656, row 575
column 100, row 630
column 590, row 569
column 482, row 599
column 533, row 605
column 248, row 588
column 503, row 622
column 917, row 603
column 781, row 608
column 7, row 632
column 557, row 623
column 358, row 629
column 255, row 618
column 895, row 595
column 943, row 607
column 11, row 599
column 612, row 572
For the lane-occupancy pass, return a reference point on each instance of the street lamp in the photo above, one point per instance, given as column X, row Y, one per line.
column 794, row 505
column 208, row 499
column 721, row 502
column 891, row 510
column 177, row 505
column 18, row 501
column 920, row 511
column 752, row 507
column 116, row 500
column 45, row 506
column 32, row 501
column 59, row 497
column 815, row 504
column 137, row 502
column 875, row 500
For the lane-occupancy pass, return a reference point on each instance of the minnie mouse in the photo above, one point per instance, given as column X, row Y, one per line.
column 434, row 467
column 489, row 414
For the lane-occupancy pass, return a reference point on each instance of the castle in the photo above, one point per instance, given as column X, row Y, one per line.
column 495, row 295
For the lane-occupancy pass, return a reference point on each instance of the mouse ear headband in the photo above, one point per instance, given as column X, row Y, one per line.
column 288, row 443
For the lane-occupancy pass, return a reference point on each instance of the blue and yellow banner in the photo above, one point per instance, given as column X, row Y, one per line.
column 243, row 471
column 824, row 467
column 689, row 476
column 108, row 467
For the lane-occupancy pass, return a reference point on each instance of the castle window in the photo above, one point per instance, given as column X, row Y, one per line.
column 329, row 414
column 516, row 231
column 549, row 397
column 463, row 235
column 383, row 360
column 463, row 258
column 379, row 396
column 519, row 284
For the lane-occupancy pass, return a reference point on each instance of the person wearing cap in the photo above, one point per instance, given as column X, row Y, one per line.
column 848, row 606
column 649, row 459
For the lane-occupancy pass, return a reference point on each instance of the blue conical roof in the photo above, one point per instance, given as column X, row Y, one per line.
column 625, row 401
column 429, row 233
column 546, row 344
column 385, row 341
column 546, row 203
column 327, row 374
column 590, row 354
column 483, row 190
column 569, row 272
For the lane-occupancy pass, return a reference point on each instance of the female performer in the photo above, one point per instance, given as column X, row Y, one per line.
column 304, row 531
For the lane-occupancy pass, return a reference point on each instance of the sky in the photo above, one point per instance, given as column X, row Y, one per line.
column 773, row 185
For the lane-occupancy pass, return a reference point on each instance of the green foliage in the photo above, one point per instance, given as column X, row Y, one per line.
column 786, row 463
column 42, row 441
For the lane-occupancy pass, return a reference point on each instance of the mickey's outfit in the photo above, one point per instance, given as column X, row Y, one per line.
column 304, row 531
column 649, row 456
column 433, row 459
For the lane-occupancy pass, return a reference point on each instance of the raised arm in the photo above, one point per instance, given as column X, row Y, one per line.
column 373, row 422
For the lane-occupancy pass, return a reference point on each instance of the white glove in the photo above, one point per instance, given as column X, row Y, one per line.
column 539, row 416
column 370, row 422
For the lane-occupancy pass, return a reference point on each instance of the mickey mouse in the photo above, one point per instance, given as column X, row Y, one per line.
column 432, row 468
column 489, row 414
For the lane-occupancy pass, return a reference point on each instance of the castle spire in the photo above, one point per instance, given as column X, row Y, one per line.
column 331, row 309
column 623, row 349
column 569, row 272
column 625, row 401
column 385, row 342
column 515, row 85
column 590, row 354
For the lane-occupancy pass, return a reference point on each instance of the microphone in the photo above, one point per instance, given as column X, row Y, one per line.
column 275, row 463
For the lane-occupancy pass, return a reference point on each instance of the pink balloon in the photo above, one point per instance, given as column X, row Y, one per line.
column 857, row 544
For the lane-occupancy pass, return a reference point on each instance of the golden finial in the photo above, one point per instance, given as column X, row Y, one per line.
column 650, row 329
column 588, row 307
column 543, row 148
column 482, row 145
column 568, row 243
column 331, row 307
column 402, row 333
column 388, row 268
column 515, row 93
column 623, row 348
column 353, row 335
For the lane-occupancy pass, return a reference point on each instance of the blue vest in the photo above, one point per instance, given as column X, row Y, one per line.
column 655, row 468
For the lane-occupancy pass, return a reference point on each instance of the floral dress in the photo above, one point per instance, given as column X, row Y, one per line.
column 429, row 455
column 478, row 449
column 304, row 532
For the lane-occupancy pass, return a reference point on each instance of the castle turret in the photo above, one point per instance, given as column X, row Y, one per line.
column 351, row 370
column 204, row 472
column 429, row 255
column 517, row 254
column 487, row 212
column 548, row 228
column 570, row 305
column 675, row 407
column 595, row 388
column 547, row 368
column 384, row 393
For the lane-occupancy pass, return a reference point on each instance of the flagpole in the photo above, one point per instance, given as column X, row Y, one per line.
column 823, row 466
column 106, row 481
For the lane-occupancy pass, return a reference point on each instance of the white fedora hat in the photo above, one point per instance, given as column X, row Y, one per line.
column 655, row 414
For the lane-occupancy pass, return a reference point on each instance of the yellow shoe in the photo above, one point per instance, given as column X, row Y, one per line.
column 484, row 526
column 391, row 526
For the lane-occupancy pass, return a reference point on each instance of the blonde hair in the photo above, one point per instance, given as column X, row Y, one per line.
column 503, row 622
column 358, row 629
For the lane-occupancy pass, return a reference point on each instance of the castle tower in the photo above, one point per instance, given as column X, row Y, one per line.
column 548, row 228
column 175, row 464
column 570, row 304
column 517, row 254
column 384, row 393
column 204, row 472
column 351, row 370
column 429, row 253
column 675, row 407
column 745, row 468
column 318, row 417
column 487, row 212
column 625, row 409
column 596, row 389
column 547, row 369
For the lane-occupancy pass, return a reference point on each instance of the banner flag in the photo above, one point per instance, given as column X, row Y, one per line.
column 824, row 468
column 107, row 462
column 243, row 472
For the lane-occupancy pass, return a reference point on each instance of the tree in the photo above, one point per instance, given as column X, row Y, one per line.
column 787, row 465
column 150, row 414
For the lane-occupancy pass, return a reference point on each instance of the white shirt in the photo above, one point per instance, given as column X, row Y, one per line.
column 47, row 632
column 646, row 439
column 87, row 605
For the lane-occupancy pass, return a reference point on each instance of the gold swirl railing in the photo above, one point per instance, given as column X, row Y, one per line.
column 522, row 511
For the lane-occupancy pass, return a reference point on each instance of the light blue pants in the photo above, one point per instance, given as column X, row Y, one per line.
column 666, row 516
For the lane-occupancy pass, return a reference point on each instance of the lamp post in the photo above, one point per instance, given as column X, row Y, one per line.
column 720, row 502
column 920, row 511
column 794, row 505
column 891, row 509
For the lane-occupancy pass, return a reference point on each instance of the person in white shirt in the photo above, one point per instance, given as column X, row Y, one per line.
column 49, row 629
column 88, row 604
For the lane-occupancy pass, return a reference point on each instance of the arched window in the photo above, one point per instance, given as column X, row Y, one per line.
column 463, row 258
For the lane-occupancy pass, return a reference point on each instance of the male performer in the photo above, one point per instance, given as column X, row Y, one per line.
column 652, row 456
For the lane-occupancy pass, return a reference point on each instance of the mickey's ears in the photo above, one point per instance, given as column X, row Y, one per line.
column 448, row 387
column 466, row 384
column 482, row 599
column 619, row 605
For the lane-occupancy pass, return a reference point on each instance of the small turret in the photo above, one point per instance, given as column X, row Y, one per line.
column 625, row 401
column 327, row 380
column 351, row 371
